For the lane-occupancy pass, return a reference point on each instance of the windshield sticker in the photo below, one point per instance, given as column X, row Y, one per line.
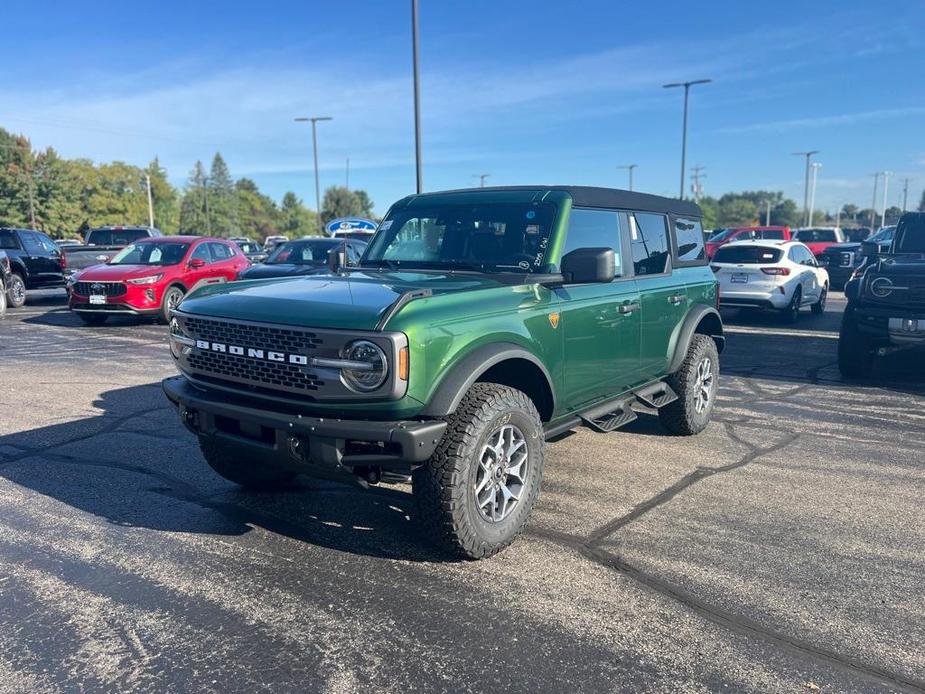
column 386, row 225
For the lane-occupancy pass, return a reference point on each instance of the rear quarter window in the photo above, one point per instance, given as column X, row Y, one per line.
column 688, row 236
column 8, row 240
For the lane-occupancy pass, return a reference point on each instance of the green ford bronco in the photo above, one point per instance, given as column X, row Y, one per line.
column 477, row 325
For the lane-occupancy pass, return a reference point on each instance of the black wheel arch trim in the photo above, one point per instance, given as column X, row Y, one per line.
column 469, row 369
column 688, row 329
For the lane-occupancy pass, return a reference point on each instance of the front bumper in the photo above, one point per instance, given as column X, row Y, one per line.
column 136, row 300
column 892, row 326
column 318, row 446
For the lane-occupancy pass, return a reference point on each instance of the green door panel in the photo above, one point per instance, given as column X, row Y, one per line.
column 601, row 352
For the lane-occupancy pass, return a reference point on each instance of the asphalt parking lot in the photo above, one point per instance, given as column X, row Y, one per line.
column 781, row 550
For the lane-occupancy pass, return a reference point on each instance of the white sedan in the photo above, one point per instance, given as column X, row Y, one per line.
column 779, row 275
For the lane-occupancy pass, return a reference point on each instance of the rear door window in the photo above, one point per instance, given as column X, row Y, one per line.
column 8, row 240
column 688, row 235
column 31, row 243
column 649, row 243
column 594, row 229
column 220, row 252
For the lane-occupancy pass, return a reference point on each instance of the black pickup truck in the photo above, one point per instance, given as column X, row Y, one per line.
column 843, row 259
column 36, row 262
column 103, row 243
column 886, row 301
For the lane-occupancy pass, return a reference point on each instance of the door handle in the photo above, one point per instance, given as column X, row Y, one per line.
column 629, row 308
column 676, row 299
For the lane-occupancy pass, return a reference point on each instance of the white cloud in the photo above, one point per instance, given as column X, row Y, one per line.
column 825, row 121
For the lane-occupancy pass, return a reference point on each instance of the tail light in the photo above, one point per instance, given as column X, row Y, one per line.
column 63, row 260
column 776, row 270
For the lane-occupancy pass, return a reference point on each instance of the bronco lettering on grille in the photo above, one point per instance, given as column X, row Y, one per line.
column 252, row 353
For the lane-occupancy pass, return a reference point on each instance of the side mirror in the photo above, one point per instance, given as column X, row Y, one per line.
column 589, row 266
column 197, row 263
column 870, row 249
column 337, row 258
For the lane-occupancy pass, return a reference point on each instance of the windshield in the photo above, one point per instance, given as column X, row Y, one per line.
column 885, row 234
column 910, row 235
column 747, row 255
column 720, row 235
column 301, row 253
column 249, row 247
column 816, row 235
column 150, row 254
column 506, row 237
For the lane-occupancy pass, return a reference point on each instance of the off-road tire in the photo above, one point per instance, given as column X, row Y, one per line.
column 681, row 417
column 818, row 308
column 855, row 351
column 164, row 315
column 791, row 314
column 92, row 318
column 444, row 487
column 16, row 292
column 246, row 471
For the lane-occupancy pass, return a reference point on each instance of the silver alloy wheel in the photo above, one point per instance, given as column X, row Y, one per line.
column 704, row 385
column 17, row 290
column 173, row 299
column 825, row 294
column 501, row 476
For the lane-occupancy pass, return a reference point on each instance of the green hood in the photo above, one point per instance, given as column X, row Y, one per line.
column 354, row 301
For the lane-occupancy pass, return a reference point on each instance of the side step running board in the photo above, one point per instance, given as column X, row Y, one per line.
column 614, row 417
column 656, row 395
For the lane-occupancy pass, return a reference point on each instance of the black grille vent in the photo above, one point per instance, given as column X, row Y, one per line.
column 105, row 288
column 262, row 372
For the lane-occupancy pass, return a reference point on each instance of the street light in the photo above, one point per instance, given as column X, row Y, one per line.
column 687, row 87
column 314, row 120
column 481, row 178
column 629, row 168
column 873, row 203
column 808, row 155
column 417, row 96
column 886, row 184
column 812, row 196
column 150, row 203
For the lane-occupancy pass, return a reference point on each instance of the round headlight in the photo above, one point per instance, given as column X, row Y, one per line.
column 881, row 286
column 374, row 370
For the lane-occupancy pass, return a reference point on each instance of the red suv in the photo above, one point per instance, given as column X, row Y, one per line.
column 151, row 276
column 725, row 236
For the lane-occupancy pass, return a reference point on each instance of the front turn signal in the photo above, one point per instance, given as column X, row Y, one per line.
column 403, row 363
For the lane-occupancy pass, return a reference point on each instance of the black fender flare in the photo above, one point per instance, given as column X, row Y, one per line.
column 469, row 369
column 689, row 328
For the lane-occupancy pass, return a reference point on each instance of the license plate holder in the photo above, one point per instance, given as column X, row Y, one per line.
column 97, row 299
column 739, row 278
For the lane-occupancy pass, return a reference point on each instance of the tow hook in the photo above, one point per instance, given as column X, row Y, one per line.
column 191, row 420
column 297, row 448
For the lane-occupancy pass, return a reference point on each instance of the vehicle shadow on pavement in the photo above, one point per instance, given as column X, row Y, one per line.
column 64, row 318
column 136, row 466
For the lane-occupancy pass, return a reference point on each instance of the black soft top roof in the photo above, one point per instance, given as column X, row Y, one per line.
column 590, row 196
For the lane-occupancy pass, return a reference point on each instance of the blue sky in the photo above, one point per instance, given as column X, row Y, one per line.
column 538, row 92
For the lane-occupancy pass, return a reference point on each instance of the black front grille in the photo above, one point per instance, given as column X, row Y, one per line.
column 266, row 372
column 259, row 371
column 256, row 336
column 104, row 288
column 913, row 297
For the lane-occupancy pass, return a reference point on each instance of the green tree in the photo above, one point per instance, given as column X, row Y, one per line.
column 258, row 215
column 339, row 202
column 118, row 195
column 194, row 208
column 222, row 202
column 17, row 185
column 849, row 211
column 297, row 220
column 735, row 210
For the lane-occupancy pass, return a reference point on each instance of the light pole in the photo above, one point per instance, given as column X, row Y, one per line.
column 687, row 88
column 314, row 120
column 905, row 193
column 696, row 185
column 812, row 197
column 417, row 96
column 886, row 185
column 150, row 202
column 481, row 178
column 629, row 168
column 808, row 156
column 873, row 203
column 767, row 214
